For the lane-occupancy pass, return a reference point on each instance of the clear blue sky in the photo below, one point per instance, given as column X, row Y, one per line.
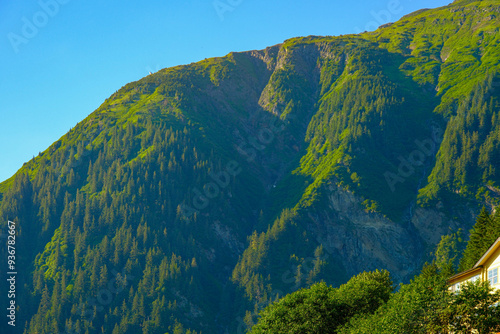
column 60, row 59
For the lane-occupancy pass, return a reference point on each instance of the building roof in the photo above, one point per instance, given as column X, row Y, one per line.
column 464, row 273
column 479, row 264
column 486, row 255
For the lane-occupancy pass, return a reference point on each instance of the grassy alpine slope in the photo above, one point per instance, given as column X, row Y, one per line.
column 201, row 192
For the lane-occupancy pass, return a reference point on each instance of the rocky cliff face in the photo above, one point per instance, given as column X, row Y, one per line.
column 365, row 241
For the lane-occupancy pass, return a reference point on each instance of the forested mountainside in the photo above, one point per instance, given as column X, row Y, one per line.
column 193, row 197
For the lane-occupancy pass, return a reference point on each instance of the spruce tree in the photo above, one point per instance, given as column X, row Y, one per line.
column 479, row 241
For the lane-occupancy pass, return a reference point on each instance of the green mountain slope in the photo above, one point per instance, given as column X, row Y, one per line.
column 193, row 197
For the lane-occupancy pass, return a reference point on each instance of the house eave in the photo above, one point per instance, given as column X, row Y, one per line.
column 463, row 274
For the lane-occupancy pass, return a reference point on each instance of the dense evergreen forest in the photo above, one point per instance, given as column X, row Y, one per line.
column 192, row 199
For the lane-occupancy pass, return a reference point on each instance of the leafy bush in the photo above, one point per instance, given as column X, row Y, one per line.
column 323, row 309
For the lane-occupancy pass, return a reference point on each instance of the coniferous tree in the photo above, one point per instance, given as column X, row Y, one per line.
column 479, row 242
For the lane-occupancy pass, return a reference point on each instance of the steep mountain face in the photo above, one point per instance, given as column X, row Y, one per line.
column 196, row 195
